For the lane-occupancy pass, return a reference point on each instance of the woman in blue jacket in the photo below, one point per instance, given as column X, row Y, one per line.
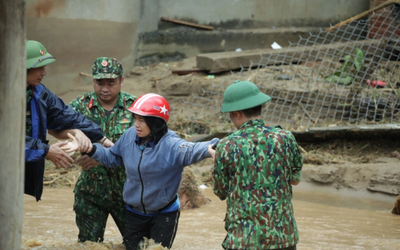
column 154, row 158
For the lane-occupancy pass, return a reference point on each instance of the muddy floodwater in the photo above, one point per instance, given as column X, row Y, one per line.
column 326, row 220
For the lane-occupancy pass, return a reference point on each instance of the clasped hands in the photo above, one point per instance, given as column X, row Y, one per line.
column 84, row 146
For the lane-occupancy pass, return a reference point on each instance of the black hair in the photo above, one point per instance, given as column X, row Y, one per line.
column 158, row 127
column 251, row 112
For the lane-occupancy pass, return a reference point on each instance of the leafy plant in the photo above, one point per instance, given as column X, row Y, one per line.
column 349, row 70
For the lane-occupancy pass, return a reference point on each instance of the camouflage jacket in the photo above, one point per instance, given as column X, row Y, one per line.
column 252, row 171
column 103, row 183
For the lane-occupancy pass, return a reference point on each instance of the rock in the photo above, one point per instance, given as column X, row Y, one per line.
column 327, row 174
column 177, row 86
column 395, row 154
column 386, row 183
column 396, row 207
column 356, row 177
column 189, row 193
column 137, row 70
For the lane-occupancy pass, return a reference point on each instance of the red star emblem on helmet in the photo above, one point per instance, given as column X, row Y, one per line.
column 104, row 63
column 42, row 52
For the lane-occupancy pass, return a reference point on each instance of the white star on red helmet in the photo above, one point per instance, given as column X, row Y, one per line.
column 163, row 110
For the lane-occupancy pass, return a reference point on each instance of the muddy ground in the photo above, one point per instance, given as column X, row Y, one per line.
column 368, row 166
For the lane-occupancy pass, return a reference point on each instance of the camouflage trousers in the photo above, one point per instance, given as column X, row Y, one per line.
column 286, row 248
column 92, row 214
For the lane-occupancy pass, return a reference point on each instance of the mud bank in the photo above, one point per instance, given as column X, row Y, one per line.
column 381, row 175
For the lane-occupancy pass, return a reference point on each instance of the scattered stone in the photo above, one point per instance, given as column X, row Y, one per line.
column 396, row 207
column 387, row 183
column 395, row 154
column 327, row 174
column 189, row 193
column 177, row 86
column 137, row 70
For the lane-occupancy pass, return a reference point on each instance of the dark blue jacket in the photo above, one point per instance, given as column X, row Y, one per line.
column 49, row 112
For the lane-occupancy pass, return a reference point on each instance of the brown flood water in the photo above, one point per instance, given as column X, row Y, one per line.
column 325, row 221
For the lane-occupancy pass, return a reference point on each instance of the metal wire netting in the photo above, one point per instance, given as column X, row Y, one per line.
column 346, row 77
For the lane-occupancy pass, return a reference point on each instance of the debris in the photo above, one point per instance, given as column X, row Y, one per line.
column 50, row 182
column 231, row 60
column 312, row 159
column 316, row 122
column 186, row 71
column 396, row 207
column 376, row 83
column 238, row 50
column 276, row 46
column 395, row 154
column 302, row 150
column 334, row 144
column 359, row 16
column 150, row 244
column 363, row 147
column 189, row 193
column 187, row 23
column 85, row 74
column 283, row 77
column 137, row 70
column 305, row 111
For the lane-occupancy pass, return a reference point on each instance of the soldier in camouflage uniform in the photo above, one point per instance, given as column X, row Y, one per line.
column 98, row 191
column 255, row 168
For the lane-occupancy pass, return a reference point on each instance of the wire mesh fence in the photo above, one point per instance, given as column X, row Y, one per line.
column 347, row 76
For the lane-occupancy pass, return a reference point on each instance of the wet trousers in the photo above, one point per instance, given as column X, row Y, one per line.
column 91, row 217
column 161, row 228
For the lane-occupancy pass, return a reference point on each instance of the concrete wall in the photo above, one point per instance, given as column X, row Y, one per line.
column 76, row 31
column 263, row 13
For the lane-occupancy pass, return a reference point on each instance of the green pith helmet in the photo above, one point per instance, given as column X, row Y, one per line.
column 37, row 55
column 242, row 95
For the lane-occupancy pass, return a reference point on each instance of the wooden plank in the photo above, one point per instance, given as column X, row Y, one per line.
column 361, row 15
column 186, row 71
column 383, row 131
column 225, row 61
column 187, row 23
column 85, row 74
column 387, row 131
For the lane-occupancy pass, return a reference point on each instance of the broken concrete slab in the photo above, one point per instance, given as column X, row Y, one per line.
column 177, row 43
column 225, row 61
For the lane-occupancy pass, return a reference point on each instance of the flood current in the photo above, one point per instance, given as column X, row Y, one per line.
column 326, row 220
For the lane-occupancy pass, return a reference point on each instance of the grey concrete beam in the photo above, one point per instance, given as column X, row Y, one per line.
column 225, row 61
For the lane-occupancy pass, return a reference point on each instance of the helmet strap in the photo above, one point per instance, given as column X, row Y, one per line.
column 40, row 60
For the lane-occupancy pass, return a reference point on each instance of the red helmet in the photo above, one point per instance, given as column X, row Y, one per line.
column 151, row 105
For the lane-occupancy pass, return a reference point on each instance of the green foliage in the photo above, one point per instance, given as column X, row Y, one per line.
column 349, row 70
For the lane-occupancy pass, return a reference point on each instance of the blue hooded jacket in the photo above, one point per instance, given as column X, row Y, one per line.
column 153, row 173
column 49, row 112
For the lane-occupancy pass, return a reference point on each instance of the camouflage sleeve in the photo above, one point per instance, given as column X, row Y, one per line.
column 219, row 175
column 76, row 104
column 296, row 158
column 297, row 176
